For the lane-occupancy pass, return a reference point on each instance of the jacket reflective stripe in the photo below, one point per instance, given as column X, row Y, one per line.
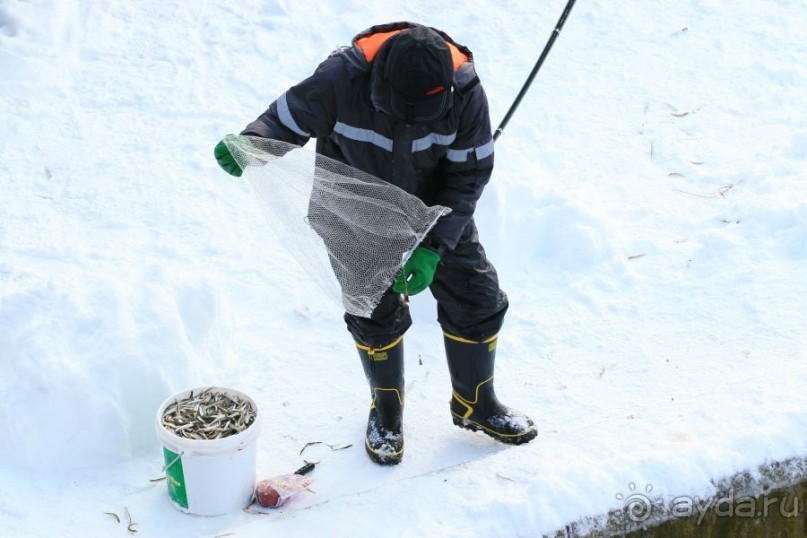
column 421, row 144
column 461, row 155
column 432, row 138
column 363, row 135
column 285, row 116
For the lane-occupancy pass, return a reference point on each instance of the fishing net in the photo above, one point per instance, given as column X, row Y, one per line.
column 350, row 231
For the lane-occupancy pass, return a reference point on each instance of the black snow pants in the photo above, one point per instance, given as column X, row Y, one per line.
column 469, row 302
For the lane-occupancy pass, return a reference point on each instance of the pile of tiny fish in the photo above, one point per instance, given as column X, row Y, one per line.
column 208, row 415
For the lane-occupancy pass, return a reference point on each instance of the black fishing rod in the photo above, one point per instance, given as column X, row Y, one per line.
column 535, row 69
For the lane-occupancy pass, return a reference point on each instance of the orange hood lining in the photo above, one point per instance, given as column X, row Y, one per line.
column 371, row 44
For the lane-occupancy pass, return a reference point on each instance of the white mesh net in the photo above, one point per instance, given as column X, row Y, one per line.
column 349, row 230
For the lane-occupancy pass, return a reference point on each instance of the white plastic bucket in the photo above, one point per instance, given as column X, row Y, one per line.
column 210, row 477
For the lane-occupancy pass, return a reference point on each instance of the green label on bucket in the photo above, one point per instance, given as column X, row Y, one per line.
column 175, row 478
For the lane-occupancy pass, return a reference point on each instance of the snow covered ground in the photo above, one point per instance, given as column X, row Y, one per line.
column 647, row 216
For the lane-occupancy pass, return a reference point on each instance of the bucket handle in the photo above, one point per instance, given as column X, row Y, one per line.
column 168, row 466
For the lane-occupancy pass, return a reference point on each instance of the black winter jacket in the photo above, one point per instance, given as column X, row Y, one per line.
column 446, row 162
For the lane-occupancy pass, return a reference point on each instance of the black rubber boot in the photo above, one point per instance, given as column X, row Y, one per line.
column 474, row 405
column 384, row 369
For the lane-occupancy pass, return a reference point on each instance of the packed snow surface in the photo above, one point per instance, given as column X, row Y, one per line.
column 647, row 216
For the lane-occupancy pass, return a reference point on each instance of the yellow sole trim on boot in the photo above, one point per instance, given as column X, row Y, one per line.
column 384, row 455
column 494, row 433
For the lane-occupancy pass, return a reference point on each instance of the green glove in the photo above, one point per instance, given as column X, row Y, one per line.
column 418, row 272
column 226, row 160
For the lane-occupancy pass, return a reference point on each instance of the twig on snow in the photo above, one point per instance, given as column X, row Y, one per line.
column 721, row 192
column 332, row 447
